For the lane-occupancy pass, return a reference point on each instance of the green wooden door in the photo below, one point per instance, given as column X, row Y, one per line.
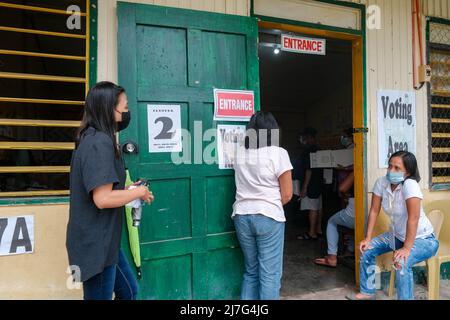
column 173, row 56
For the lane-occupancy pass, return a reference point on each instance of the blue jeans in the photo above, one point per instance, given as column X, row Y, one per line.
column 117, row 279
column 262, row 240
column 422, row 250
column 343, row 219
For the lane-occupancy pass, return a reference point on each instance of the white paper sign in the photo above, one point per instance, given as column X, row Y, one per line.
column 164, row 128
column 331, row 158
column 229, row 139
column 396, row 123
column 16, row 235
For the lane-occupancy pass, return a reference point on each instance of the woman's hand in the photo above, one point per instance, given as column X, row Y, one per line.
column 145, row 194
column 135, row 184
column 365, row 245
column 401, row 254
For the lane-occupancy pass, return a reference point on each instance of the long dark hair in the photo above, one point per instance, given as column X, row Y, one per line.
column 101, row 102
column 262, row 123
column 410, row 163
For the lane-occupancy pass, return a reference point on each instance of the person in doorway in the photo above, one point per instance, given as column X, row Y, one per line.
column 346, row 218
column 311, row 192
column 98, row 196
column 346, row 199
column 263, row 185
column 411, row 235
column 347, row 142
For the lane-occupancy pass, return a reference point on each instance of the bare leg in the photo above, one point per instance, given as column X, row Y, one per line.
column 313, row 217
column 319, row 222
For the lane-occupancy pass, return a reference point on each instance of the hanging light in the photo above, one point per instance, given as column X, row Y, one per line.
column 276, row 50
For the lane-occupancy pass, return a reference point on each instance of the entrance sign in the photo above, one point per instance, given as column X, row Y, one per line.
column 16, row 235
column 303, row 45
column 164, row 128
column 233, row 105
column 229, row 139
column 396, row 123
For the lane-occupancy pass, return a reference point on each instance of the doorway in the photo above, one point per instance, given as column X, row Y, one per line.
column 323, row 92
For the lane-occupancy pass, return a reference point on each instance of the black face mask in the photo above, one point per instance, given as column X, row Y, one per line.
column 126, row 118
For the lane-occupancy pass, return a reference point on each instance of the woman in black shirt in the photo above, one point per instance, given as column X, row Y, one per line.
column 98, row 196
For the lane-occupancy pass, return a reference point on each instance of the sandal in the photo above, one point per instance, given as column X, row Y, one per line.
column 352, row 296
column 306, row 236
column 326, row 262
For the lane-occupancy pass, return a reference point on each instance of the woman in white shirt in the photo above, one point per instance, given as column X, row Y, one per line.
column 411, row 234
column 263, row 185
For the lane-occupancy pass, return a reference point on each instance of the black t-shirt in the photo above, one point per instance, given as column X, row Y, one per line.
column 93, row 235
column 315, row 185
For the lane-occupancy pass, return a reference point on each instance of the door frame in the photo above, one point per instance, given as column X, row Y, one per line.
column 358, row 39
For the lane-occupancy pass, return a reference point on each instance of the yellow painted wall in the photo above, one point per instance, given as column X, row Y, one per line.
column 41, row 274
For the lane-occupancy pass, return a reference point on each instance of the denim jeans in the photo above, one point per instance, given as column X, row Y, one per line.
column 262, row 240
column 117, row 279
column 341, row 218
column 422, row 250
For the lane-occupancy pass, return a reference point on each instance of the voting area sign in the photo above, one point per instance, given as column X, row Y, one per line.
column 396, row 123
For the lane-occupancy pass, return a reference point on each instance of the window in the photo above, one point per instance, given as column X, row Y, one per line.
column 44, row 77
column 439, row 89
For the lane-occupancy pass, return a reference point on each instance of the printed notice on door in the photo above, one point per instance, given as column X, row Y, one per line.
column 164, row 128
column 16, row 235
column 229, row 139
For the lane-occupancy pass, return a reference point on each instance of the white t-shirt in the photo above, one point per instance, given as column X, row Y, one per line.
column 257, row 186
column 394, row 205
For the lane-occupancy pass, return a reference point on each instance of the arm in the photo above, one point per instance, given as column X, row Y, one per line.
column 347, row 183
column 375, row 208
column 306, row 183
column 413, row 207
column 285, row 181
column 105, row 197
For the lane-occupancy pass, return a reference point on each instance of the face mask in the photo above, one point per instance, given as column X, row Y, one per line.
column 395, row 177
column 345, row 141
column 126, row 118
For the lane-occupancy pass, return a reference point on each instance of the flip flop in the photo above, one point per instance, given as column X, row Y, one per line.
column 306, row 236
column 352, row 296
column 325, row 262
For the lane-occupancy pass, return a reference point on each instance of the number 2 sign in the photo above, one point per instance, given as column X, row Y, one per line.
column 164, row 128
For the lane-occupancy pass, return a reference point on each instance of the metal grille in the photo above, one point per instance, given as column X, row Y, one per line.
column 439, row 33
column 40, row 100
column 440, row 103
